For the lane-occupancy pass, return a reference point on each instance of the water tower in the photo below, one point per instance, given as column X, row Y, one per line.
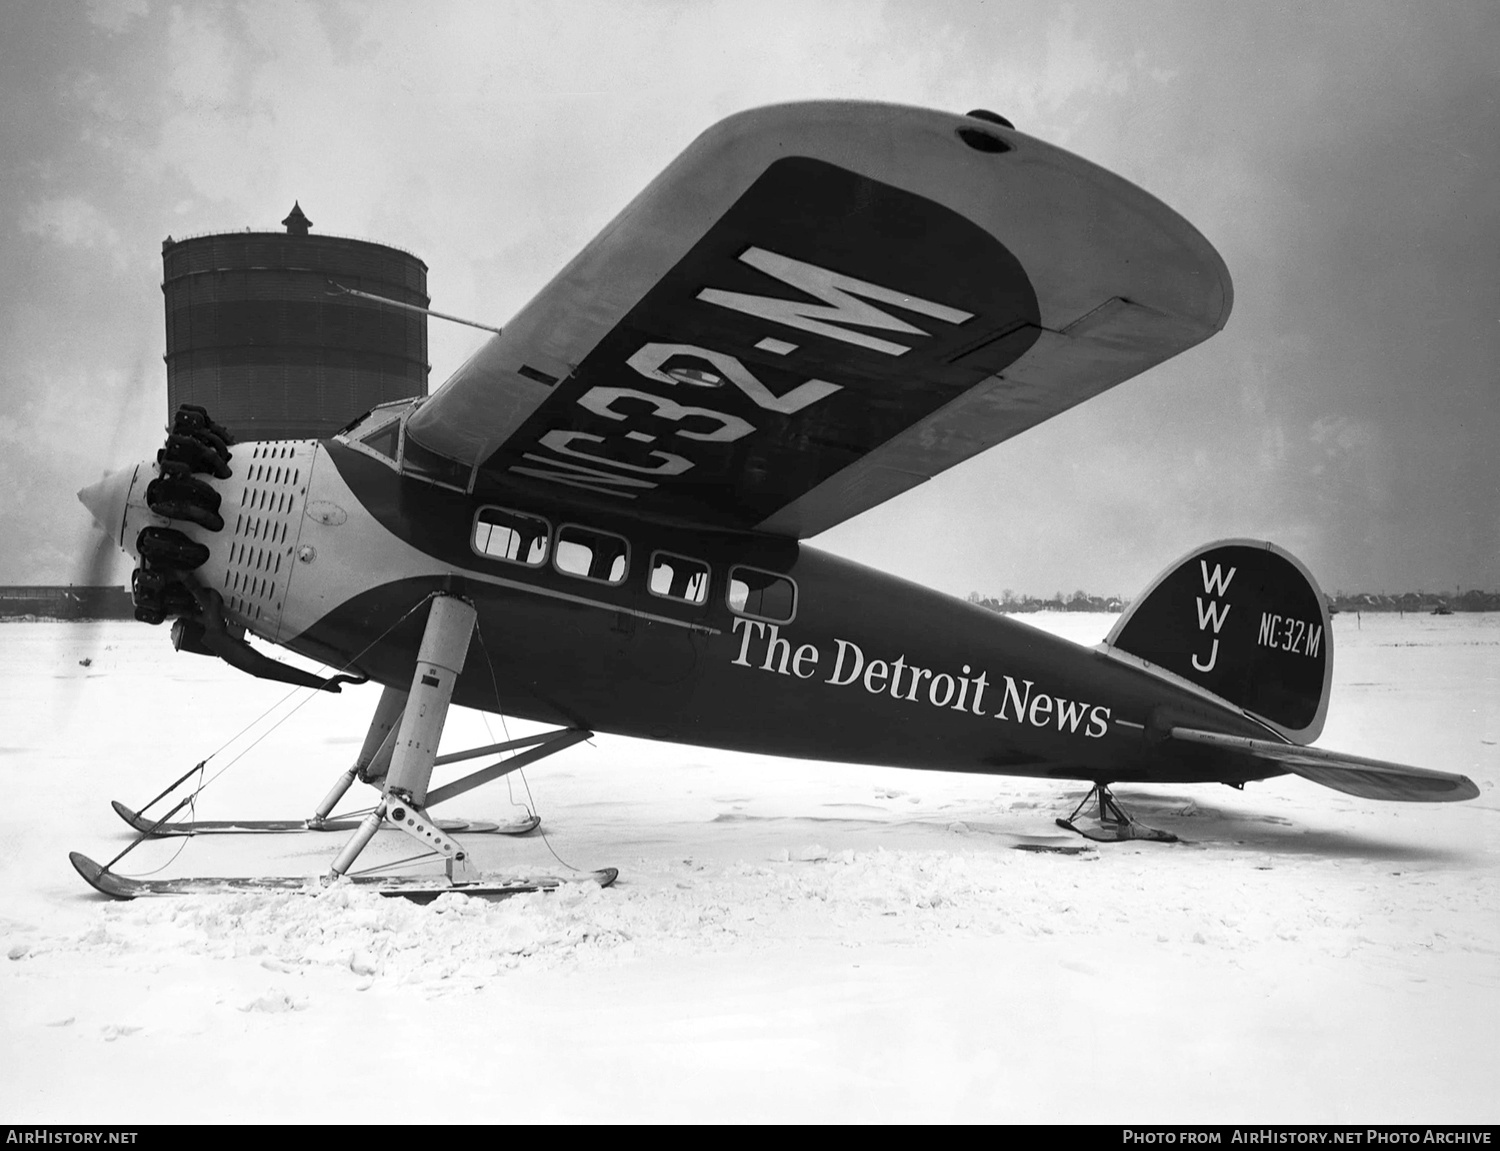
column 259, row 333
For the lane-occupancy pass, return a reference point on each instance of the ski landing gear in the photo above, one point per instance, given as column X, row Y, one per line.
column 403, row 801
column 399, row 754
column 1109, row 824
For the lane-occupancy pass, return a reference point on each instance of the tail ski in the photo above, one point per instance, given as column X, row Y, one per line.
column 1245, row 620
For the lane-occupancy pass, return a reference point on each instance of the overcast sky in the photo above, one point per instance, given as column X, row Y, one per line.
column 1344, row 159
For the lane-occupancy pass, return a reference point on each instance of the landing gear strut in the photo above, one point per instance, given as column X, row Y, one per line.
column 1110, row 823
column 374, row 756
column 445, row 643
column 398, row 755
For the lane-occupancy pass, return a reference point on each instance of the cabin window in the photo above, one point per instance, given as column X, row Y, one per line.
column 762, row 595
column 679, row 578
column 591, row 554
column 502, row 534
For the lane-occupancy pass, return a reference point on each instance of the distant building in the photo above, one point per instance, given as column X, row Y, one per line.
column 68, row 601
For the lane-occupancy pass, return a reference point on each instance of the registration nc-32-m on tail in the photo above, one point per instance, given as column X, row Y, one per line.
column 595, row 522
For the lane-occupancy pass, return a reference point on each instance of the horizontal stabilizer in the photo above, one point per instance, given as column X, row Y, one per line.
column 1352, row 774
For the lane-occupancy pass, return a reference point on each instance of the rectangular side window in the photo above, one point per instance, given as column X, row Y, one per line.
column 591, row 554
column 762, row 595
column 677, row 577
column 506, row 535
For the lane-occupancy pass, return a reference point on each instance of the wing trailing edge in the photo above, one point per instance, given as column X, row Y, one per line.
column 1351, row 774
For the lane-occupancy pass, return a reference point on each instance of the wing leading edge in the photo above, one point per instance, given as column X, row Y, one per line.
column 819, row 306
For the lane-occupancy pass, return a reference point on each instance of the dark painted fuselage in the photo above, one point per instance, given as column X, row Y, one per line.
column 869, row 668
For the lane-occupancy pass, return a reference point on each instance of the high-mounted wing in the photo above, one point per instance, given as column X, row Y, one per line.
column 819, row 306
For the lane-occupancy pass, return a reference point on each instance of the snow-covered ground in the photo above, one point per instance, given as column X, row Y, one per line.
column 787, row 940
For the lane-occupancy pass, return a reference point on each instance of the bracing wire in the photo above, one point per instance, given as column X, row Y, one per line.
column 375, row 868
column 499, row 711
column 192, row 798
column 190, row 801
column 312, row 693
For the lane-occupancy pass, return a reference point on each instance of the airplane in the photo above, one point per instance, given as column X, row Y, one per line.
column 598, row 521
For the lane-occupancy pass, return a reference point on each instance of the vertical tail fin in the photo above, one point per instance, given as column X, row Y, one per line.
column 1245, row 620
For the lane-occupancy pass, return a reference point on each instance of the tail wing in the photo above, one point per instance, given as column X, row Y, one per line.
column 1246, row 621
column 1353, row 774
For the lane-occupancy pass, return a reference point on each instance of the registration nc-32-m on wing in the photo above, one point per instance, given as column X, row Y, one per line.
column 596, row 522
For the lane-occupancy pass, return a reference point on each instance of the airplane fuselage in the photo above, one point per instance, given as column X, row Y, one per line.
column 330, row 551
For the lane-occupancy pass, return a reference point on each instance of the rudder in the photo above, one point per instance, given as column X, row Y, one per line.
column 1245, row 620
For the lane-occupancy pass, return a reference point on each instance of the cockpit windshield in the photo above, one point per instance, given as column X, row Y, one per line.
column 379, row 430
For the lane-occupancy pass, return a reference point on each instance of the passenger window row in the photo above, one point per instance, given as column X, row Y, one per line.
column 603, row 557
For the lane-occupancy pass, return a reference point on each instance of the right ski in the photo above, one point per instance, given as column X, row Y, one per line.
column 420, row 889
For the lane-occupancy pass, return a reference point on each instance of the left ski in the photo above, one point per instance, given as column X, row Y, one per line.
column 421, row 889
column 162, row 829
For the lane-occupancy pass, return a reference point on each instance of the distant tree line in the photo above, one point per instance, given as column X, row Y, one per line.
column 1080, row 600
column 1415, row 601
column 1412, row 601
